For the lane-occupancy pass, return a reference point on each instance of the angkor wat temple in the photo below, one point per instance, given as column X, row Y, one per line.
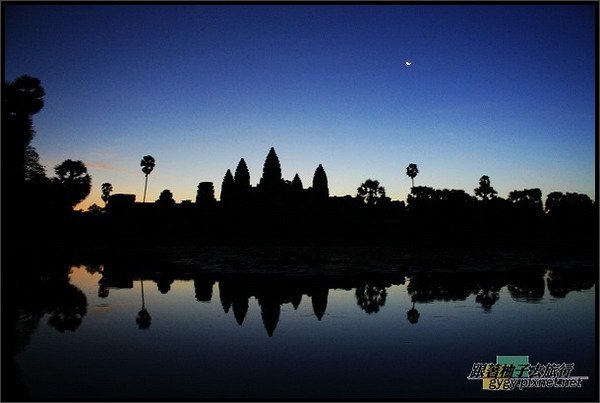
column 279, row 209
column 236, row 190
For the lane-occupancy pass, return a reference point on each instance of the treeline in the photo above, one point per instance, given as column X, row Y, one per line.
column 429, row 214
column 29, row 196
column 274, row 209
column 278, row 210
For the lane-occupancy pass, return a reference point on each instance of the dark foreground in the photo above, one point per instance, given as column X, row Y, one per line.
column 191, row 321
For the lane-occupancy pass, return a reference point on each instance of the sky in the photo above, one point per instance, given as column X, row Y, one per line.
column 506, row 91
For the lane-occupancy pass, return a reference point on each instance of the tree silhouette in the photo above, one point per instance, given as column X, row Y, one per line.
column 485, row 191
column 527, row 203
column 147, row 163
column 527, row 196
column 106, row 191
column 271, row 170
column 242, row 175
column 553, row 201
column 320, row 186
column 421, row 197
column 94, row 209
column 228, row 187
column 370, row 192
column 72, row 182
column 558, row 203
column 412, row 171
column 33, row 170
column 21, row 99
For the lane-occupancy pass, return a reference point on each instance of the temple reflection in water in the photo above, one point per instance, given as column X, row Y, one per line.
column 273, row 291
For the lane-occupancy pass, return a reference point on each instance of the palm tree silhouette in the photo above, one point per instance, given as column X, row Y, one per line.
column 412, row 171
column 370, row 192
column 147, row 165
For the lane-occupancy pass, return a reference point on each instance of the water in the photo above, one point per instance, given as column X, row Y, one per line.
column 261, row 337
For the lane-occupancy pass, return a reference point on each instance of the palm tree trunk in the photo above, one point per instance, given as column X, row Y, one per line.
column 143, row 304
column 145, row 187
column 413, row 181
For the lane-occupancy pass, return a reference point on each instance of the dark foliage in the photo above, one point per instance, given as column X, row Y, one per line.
column 412, row 171
column 485, row 191
column 106, row 191
column 72, row 182
column 34, row 171
column 147, row 163
column 370, row 192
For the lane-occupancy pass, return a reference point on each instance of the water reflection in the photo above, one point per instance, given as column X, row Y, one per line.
column 561, row 282
column 528, row 287
column 273, row 291
column 48, row 292
column 370, row 297
column 143, row 320
column 412, row 315
column 67, row 305
column 523, row 286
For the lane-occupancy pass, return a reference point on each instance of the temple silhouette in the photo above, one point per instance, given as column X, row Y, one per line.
column 273, row 210
column 280, row 210
column 272, row 191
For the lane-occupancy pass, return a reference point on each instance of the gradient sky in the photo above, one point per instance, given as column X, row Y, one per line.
column 506, row 91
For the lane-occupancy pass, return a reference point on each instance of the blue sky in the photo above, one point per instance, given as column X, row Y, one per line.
column 506, row 91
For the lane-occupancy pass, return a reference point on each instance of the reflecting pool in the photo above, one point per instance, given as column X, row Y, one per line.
column 100, row 332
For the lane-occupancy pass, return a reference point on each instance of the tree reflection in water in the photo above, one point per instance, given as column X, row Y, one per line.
column 67, row 305
column 47, row 290
column 370, row 297
column 143, row 319
column 272, row 291
column 412, row 315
